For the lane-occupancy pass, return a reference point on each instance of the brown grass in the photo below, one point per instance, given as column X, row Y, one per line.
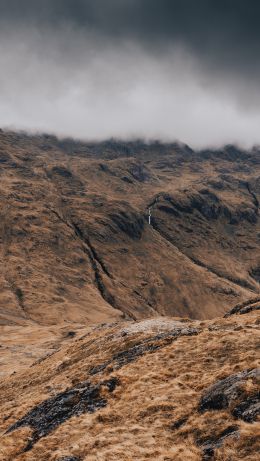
column 153, row 413
column 190, row 264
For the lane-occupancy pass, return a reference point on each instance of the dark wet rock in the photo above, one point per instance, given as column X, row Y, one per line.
column 179, row 423
column 169, row 210
column 229, row 394
column 148, row 345
column 249, row 215
column 104, row 167
column 254, row 198
column 244, row 308
column 129, row 222
column 124, row 357
column 217, row 184
column 70, row 334
column 249, row 409
column 48, row 415
column 113, row 149
column 99, row 368
column 206, row 203
column 208, row 452
column 139, row 172
column 247, row 309
column 229, row 153
column 179, row 204
column 170, row 204
column 126, row 179
column 131, row 354
column 69, row 458
column 4, row 157
column 255, row 273
column 112, row 384
column 233, row 153
column 211, row 196
column 62, row 171
column 208, row 446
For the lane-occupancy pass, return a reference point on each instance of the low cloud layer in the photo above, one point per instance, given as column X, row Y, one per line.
column 170, row 69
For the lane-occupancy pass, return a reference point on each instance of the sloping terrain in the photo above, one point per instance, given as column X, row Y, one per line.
column 76, row 245
column 157, row 389
column 124, row 339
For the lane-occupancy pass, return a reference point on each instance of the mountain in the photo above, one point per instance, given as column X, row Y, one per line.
column 129, row 301
column 156, row 389
column 76, row 244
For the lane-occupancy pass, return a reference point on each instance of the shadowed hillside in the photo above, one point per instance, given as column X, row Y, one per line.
column 75, row 241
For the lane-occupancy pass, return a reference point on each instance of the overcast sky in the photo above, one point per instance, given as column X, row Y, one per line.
column 170, row 69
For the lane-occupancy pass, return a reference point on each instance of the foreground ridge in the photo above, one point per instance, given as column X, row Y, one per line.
column 163, row 388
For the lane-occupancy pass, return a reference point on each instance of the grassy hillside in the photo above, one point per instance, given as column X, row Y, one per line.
column 164, row 389
column 76, row 246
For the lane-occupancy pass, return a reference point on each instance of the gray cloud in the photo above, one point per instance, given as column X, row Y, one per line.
column 98, row 68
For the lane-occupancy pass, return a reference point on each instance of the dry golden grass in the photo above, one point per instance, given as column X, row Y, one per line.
column 76, row 251
column 191, row 262
column 156, row 391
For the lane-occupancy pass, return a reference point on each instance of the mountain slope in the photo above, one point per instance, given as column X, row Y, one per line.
column 75, row 241
column 159, row 389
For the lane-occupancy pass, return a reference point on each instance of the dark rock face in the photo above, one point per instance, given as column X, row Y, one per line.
column 169, row 210
column 230, row 153
column 244, row 308
column 209, row 445
column 126, row 179
column 179, row 423
column 255, row 273
column 69, row 458
column 249, row 409
column 171, row 205
column 206, row 203
column 4, row 157
column 229, row 393
column 247, row 309
column 61, row 171
column 45, row 417
column 247, row 214
column 70, row 334
column 148, row 345
column 129, row 222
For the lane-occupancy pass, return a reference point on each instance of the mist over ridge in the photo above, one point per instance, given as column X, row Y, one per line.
column 168, row 70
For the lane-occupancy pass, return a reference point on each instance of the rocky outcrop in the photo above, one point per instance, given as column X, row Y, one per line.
column 62, row 171
column 137, row 389
column 209, row 445
column 207, row 204
column 255, row 273
column 148, row 345
column 129, row 222
column 245, row 307
column 139, row 172
column 69, row 458
column 230, row 393
column 48, row 415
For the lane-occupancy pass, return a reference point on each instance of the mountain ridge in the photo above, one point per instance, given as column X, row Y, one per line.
column 75, row 232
